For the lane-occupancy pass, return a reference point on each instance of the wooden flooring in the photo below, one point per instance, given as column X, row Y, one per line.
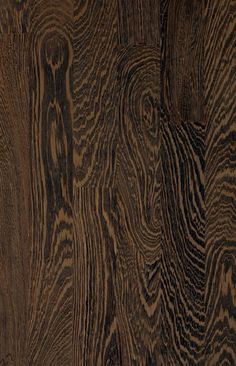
column 117, row 182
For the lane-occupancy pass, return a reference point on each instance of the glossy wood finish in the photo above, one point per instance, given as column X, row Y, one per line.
column 117, row 183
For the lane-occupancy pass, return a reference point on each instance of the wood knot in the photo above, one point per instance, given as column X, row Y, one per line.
column 55, row 50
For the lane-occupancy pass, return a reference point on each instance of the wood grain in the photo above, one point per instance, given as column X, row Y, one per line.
column 96, row 334
column 139, row 22
column 49, row 338
column 14, row 16
column 182, row 197
column 95, row 92
column 138, row 229
column 117, row 183
column 138, row 191
column 15, row 240
column 220, row 182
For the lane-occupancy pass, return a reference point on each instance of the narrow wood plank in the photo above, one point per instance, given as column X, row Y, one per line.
column 14, row 198
column 95, row 92
column 220, row 181
column 182, row 199
column 138, row 197
column 139, row 22
column 138, row 229
column 50, row 320
column 96, row 339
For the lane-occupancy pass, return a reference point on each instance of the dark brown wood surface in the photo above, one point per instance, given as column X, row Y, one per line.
column 117, row 183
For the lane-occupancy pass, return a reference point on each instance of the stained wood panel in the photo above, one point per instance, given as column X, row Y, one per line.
column 182, row 197
column 220, row 182
column 96, row 339
column 138, row 183
column 50, row 315
column 95, row 92
column 138, row 191
column 15, row 235
column 117, row 182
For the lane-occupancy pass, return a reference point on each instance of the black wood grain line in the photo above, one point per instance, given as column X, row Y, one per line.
column 51, row 272
column 138, row 199
column 96, row 339
column 220, row 182
column 139, row 22
column 95, row 92
column 14, row 193
column 182, row 193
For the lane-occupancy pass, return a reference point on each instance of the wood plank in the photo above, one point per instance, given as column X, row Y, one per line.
column 15, row 236
column 182, row 199
column 51, row 277
column 96, row 338
column 138, row 202
column 95, row 92
column 220, row 182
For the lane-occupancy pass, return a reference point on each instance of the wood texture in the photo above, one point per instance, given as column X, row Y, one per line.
column 14, row 16
column 220, row 183
column 51, row 293
column 117, row 183
column 138, row 190
column 97, row 339
column 15, row 229
column 95, row 92
column 182, row 198
column 139, row 22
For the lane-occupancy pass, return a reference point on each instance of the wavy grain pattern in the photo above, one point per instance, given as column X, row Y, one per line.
column 182, row 197
column 138, row 191
column 95, row 92
column 117, row 183
column 220, row 182
column 50, row 314
column 139, row 142
column 96, row 334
